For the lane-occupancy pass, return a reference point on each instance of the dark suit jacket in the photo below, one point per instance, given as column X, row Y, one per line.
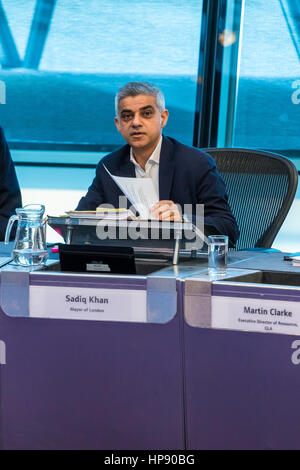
column 187, row 175
column 10, row 195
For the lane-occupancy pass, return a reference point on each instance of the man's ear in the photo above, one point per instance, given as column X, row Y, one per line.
column 164, row 117
column 117, row 123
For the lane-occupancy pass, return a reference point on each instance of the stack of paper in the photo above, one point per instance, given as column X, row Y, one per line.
column 103, row 213
column 139, row 191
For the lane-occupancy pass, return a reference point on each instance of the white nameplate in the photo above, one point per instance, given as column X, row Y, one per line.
column 266, row 316
column 79, row 303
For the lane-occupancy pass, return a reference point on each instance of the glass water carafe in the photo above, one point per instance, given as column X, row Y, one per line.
column 30, row 243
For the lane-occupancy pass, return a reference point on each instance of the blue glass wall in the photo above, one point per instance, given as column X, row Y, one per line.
column 92, row 48
column 268, row 100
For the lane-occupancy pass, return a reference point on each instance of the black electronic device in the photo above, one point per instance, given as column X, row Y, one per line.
column 97, row 259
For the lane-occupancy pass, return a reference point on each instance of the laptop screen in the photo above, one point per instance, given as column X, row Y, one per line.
column 97, row 259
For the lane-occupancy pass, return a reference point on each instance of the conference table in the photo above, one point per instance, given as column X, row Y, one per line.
column 173, row 359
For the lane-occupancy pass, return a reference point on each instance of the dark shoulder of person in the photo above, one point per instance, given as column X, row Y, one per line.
column 113, row 160
column 195, row 155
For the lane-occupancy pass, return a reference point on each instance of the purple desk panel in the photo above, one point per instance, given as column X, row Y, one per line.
column 73, row 384
column 242, row 389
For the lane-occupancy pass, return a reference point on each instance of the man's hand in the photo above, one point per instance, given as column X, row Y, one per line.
column 166, row 210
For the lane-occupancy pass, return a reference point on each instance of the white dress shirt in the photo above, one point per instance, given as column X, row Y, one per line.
column 151, row 167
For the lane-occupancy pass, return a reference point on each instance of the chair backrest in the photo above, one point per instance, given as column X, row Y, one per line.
column 261, row 187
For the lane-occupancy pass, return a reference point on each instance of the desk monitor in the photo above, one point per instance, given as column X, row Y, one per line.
column 97, row 259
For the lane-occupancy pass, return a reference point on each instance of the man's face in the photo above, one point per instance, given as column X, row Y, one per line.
column 140, row 121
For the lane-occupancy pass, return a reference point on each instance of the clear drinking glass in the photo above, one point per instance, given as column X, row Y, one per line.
column 217, row 254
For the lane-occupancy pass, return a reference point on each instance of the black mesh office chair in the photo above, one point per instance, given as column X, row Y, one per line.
column 261, row 187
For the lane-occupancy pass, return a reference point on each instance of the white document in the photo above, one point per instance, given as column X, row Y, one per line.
column 139, row 191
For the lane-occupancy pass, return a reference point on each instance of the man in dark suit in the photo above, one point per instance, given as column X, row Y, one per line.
column 181, row 174
column 10, row 195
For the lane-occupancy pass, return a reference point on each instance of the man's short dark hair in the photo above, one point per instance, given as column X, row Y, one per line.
column 140, row 88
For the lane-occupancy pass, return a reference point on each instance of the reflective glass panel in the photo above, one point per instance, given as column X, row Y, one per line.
column 268, row 100
column 83, row 51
